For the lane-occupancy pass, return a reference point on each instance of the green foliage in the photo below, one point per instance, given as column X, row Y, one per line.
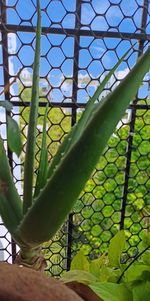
column 136, row 272
column 79, row 276
column 112, row 291
column 141, row 292
column 80, row 262
column 108, row 273
column 97, row 264
column 100, row 204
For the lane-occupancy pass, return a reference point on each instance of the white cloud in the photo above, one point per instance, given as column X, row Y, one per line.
column 12, row 46
column 98, row 48
column 12, row 43
column 147, row 76
column 122, row 73
column 11, row 66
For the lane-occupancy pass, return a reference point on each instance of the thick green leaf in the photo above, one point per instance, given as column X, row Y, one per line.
column 43, row 165
column 9, row 213
column 116, row 247
column 6, row 104
column 112, row 291
column 79, row 276
column 80, row 262
column 63, row 189
column 78, row 128
column 31, row 137
column 141, row 292
column 14, row 136
column 10, row 203
column 135, row 272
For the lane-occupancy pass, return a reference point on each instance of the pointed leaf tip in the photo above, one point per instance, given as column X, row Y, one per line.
column 116, row 247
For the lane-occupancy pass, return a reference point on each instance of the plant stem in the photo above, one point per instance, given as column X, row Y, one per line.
column 31, row 137
column 31, row 258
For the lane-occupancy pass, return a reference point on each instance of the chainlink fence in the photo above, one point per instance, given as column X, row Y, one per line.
column 81, row 41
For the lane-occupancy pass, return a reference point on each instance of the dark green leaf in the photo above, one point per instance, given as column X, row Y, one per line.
column 14, row 136
column 141, row 292
column 135, row 272
column 10, row 203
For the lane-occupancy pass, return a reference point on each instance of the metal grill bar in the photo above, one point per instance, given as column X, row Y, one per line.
column 7, row 93
column 74, row 114
column 132, row 122
column 75, row 32
column 73, row 105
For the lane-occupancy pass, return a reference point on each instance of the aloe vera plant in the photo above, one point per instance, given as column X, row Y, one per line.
column 60, row 182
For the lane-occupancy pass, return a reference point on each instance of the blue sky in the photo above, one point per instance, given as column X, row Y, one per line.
column 59, row 49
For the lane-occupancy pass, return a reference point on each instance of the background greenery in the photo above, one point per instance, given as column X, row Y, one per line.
column 96, row 215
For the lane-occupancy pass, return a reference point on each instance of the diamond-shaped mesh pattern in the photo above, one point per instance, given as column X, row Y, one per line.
column 81, row 41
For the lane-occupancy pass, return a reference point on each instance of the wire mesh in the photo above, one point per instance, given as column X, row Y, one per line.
column 81, row 41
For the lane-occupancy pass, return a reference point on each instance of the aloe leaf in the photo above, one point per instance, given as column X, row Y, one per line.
column 6, row 105
column 10, row 202
column 78, row 128
column 10, row 217
column 14, row 136
column 43, row 164
column 31, row 138
column 68, row 180
column 60, row 153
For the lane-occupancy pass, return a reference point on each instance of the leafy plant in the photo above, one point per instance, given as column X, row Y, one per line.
column 109, row 278
column 60, row 182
